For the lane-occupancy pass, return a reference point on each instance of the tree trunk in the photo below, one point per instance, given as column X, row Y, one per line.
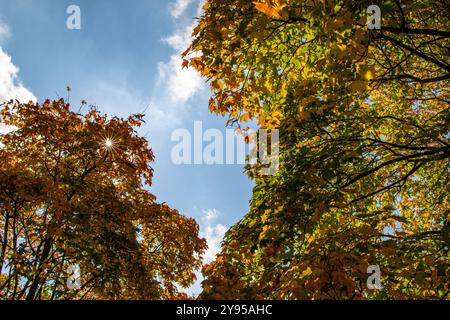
column 37, row 279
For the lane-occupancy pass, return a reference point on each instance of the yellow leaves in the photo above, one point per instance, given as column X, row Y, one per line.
column 277, row 115
column 284, row 90
column 273, row 120
column 266, row 230
column 369, row 74
column 334, row 57
column 265, row 216
column 309, row 238
column 306, row 273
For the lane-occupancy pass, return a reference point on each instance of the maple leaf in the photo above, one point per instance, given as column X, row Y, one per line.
column 267, row 10
column 358, row 178
column 82, row 181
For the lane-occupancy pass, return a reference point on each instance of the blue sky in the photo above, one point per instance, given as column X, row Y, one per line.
column 125, row 59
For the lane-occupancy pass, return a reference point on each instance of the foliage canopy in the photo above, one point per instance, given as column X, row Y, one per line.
column 364, row 137
column 73, row 192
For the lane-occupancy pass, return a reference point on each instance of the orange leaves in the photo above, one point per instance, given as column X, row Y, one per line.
column 197, row 63
column 80, row 180
column 245, row 117
column 136, row 120
column 267, row 10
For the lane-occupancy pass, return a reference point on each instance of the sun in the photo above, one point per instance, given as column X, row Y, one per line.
column 108, row 144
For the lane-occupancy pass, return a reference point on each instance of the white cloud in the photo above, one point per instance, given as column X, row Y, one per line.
column 209, row 216
column 10, row 86
column 4, row 32
column 176, row 86
column 180, row 84
column 214, row 236
column 181, row 39
column 178, row 8
column 212, row 232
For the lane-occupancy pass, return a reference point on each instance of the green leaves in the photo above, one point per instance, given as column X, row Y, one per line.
column 363, row 116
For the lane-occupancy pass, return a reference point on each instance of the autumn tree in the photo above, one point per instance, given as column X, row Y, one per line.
column 364, row 126
column 74, row 192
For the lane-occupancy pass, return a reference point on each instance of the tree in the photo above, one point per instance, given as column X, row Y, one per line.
column 73, row 192
column 364, row 140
